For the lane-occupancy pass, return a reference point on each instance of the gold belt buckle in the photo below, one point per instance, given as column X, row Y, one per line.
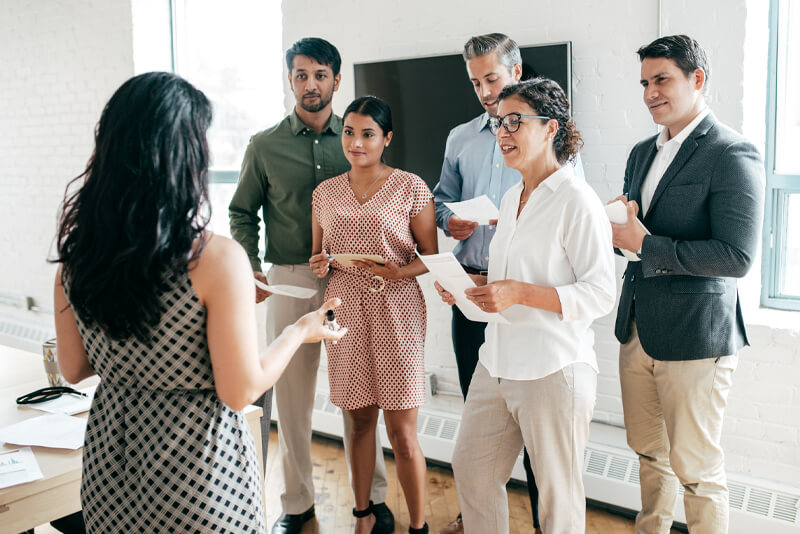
column 382, row 282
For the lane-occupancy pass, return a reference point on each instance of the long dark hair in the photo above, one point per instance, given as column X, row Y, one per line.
column 137, row 212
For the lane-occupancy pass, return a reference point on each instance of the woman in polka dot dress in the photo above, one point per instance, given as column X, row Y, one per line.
column 375, row 209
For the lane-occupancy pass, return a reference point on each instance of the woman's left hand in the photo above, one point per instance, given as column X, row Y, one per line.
column 388, row 271
column 494, row 297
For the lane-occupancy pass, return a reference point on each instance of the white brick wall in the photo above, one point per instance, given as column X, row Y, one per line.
column 63, row 59
column 761, row 429
column 61, row 62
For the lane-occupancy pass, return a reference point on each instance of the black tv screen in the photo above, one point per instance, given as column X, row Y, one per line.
column 429, row 96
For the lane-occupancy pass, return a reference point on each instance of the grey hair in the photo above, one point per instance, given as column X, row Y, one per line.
column 506, row 48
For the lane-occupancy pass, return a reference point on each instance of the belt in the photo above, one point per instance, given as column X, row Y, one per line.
column 473, row 270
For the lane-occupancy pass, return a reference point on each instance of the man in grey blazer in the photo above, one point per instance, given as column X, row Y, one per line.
column 700, row 186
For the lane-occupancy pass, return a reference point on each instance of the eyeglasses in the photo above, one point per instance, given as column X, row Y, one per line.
column 510, row 122
column 46, row 394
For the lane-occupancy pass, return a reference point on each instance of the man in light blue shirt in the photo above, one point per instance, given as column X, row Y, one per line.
column 473, row 166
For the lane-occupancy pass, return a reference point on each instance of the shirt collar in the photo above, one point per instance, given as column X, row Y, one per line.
column 554, row 180
column 334, row 124
column 483, row 121
column 678, row 140
column 559, row 177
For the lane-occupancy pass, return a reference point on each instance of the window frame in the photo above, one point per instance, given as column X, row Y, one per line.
column 778, row 187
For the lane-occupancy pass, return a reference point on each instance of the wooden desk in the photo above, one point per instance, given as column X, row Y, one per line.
column 57, row 494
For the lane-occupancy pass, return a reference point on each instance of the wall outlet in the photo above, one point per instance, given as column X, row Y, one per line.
column 430, row 384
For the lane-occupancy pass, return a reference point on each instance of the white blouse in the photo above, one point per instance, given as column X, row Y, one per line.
column 562, row 239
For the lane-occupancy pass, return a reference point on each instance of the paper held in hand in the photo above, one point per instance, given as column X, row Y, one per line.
column 618, row 214
column 296, row 292
column 448, row 272
column 479, row 209
column 346, row 260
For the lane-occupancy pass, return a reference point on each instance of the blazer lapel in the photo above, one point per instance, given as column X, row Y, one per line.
column 635, row 191
column 684, row 154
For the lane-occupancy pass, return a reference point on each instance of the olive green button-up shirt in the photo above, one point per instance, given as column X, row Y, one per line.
column 281, row 168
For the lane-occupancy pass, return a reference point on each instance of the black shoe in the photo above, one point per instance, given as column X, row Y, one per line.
column 292, row 523
column 384, row 519
column 423, row 530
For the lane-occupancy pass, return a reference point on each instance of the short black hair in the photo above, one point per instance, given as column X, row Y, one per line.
column 317, row 49
column 682, row 49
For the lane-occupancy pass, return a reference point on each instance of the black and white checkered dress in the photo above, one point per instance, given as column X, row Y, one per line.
column 162, row 452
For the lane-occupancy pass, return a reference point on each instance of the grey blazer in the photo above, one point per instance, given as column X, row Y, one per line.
column 705, row 221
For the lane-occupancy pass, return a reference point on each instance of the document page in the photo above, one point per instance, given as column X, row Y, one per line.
column 296, row 292
column 18, row 466
column 448, row 272
column 618, row 214
column 479, row 209
column 58, row 431
column 67, row 404
column 346, row 260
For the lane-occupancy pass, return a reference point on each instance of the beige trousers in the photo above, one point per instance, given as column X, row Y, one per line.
column 673, row 417
column 295, row 391
column 551, row 417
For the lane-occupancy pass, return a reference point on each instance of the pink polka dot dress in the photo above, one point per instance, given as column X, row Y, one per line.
column 380, row 361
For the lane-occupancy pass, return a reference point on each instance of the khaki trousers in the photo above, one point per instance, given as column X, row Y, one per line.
column 550, row 417
column 673, row 418
column 294, row 395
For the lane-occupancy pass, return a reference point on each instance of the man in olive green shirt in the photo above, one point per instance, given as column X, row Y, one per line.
column 281, row 168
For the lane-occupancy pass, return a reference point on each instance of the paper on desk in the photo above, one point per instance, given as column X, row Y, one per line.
column 57, row 431
column 618, row 214
column 287, row 290
column 448, row 272
column 346, row 260
column 67, row 404
column 17, row 467
column 479, row 209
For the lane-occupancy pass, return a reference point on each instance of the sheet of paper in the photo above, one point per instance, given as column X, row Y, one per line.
column 618, row 214
column 18, row 466
column 287, row 290
column 346, row 260
column 57, row 431
column 479, row 209
column 67, row 404
column 448, row 272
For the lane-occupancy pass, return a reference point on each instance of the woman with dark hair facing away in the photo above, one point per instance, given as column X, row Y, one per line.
column 377, row 210
column 163, row 311
column 551, row 273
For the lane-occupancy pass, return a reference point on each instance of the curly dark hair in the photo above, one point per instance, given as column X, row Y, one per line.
column 547, row 98
column 137, row 211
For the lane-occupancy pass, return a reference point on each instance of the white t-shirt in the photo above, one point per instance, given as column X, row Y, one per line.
column 562, row 239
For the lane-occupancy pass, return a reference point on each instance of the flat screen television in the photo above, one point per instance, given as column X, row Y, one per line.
column 429, row 96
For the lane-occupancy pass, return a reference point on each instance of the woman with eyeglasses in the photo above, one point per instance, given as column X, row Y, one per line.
column 162, row 310
column 551, row 273
column 382, row 211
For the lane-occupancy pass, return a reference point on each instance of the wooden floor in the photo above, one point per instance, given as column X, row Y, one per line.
column 335, row 499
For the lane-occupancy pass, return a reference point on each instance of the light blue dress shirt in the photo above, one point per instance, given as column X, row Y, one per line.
column 473, row 166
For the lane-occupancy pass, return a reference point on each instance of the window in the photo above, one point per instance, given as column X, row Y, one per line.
column 233, row 52
column 781, row 267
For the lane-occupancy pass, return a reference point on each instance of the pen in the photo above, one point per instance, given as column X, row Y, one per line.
column 330, row 322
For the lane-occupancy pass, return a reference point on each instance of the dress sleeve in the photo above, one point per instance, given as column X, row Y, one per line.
column 420, row 195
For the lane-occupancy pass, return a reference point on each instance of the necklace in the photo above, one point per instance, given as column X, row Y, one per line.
column 371, row 185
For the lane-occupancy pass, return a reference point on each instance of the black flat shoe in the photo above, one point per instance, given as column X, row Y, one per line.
column 384, row 519
column 423, row 530
column 292, row 523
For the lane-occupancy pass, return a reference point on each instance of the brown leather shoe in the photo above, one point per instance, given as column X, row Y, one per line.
column 456, row 527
